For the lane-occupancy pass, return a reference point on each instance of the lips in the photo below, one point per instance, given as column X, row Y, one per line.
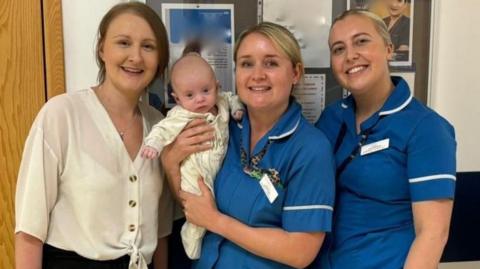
column 132, row 70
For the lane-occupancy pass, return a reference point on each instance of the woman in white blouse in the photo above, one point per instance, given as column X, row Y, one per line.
column 85, row 198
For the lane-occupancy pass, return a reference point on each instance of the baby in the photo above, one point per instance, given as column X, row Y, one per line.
column 195, row 90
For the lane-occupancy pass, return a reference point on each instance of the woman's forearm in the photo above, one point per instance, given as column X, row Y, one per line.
column 426, row 250
column 28, row 251
column 294, row 249
column 432, row 223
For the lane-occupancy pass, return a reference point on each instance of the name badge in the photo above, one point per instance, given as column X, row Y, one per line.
column 375, row 146
column 268, row 188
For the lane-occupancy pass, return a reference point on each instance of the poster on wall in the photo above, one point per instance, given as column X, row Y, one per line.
column 398, row 16
column 311, row 95
column 309, row 21
column 211, row 27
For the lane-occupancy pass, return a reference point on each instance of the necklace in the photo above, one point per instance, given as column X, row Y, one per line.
column 121, row 133
column 130, row 124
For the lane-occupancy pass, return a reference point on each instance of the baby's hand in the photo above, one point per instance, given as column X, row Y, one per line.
column 149, row 152
column 238, row 115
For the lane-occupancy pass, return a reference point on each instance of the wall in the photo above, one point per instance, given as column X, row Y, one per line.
column 453, row 94
column 80, row 21
column 455, row 69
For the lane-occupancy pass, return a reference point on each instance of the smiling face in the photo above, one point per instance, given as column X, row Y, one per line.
column 264, row 75
column 396, row 7
column 359, row 55
column 130, row 54
column 194, row 84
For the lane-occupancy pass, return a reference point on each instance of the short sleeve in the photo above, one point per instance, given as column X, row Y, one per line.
column 36, row 191
column 308, row 205
column 431, row 161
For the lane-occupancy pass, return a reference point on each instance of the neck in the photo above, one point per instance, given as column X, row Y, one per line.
column 370, row 102
column 260, row 123
column 116, row 102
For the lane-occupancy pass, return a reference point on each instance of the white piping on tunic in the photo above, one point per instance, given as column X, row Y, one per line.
column 388, row 112
column 286, row 133
column 307, row 207
column 432, row 177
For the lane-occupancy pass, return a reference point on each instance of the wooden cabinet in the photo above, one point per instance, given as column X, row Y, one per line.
column 31, row 71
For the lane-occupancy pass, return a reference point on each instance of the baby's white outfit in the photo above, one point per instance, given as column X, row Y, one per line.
column 203, row 164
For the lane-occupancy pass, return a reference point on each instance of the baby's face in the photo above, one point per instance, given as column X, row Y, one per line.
column 196, row 93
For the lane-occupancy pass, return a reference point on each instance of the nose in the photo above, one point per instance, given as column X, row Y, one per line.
column 135, row 54
column 351, row 53
column 200, row 98
column 258, row 73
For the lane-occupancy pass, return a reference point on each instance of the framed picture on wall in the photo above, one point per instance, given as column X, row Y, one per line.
column 211, row 28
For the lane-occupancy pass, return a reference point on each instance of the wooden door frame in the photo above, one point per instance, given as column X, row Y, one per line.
column 53, row 47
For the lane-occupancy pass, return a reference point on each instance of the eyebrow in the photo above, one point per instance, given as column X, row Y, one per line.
column 127, row 36
column 266, row 56
column 353, row 37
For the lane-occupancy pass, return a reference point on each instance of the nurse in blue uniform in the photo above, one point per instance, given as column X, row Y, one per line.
column 395, row 159
column 275, row 191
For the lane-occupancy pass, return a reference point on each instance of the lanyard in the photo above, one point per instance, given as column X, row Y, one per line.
column 253, row 170
column 354, row 153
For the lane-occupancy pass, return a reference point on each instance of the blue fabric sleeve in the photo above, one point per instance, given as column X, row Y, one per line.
column 431, row 161
column 310, row 193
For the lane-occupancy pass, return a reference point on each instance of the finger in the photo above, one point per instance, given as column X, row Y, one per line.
column 203, row 187
column 196, row 122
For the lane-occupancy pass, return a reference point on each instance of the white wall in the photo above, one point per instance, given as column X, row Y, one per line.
column 455, row 91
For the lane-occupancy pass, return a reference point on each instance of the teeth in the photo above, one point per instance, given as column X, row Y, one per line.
column 356, row 69
column 259, row 88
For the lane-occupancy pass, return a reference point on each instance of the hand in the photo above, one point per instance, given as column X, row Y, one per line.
column 149, row 152
column 200, row 209
column 191, row 140
column 238, row 115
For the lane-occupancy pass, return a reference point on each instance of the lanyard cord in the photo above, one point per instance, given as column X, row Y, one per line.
column 253, row 170
column 354, row 153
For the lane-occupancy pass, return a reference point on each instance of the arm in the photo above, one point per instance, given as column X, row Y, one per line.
column 431, row 168
column 165, row 131
column 297, row 249
column 28, row 251
column 160, row 256
column 236, row 106
column 192, row 139
column 432, row 222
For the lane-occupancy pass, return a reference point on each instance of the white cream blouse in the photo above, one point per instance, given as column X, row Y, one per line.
column 78, row 189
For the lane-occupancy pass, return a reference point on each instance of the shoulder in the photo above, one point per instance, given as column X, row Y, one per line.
column 63, row 106
column 311, row 138
column 331, row 119
column 424, row 121
column 425, row 115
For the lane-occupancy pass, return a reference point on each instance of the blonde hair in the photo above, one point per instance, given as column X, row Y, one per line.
column 378, row 23
column 281, row 38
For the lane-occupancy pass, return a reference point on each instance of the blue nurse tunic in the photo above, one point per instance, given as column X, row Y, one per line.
column 301, row 157
column 408, row 157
